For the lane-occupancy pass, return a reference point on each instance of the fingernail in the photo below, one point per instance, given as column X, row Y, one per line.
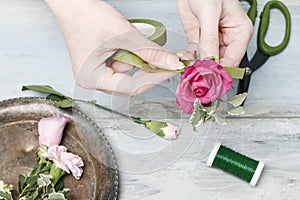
column 174, row 62
column 181, row 66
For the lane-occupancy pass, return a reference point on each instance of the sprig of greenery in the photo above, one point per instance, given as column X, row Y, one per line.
column 216, row 112
column 39, row 185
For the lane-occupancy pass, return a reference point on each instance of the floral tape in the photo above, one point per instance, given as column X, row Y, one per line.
column 152, row 29
column 156, row 32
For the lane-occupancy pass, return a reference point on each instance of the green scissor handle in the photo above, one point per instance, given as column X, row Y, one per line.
column 252, row 12
column 264, row 25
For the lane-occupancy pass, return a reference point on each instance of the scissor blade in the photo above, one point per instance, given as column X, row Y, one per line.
column 245, row 61
column 244, row 84
column 258, row 60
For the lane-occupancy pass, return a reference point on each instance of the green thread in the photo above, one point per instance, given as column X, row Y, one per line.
column 235, row 163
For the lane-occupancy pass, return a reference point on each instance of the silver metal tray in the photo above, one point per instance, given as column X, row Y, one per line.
column 19, row 141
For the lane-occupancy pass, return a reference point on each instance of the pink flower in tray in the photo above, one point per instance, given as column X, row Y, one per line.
column 51, row 130
column 64, row 160
column 205, row 80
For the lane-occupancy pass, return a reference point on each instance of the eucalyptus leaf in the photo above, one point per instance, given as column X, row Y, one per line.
column 238, row 99
column 237, row 111
column 42, row 88
column 66, row 103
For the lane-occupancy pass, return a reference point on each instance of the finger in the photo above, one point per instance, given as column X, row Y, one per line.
column 209, row 16
column 126, row 85
column 237, row 32
column 189, row 22
column 234, row 53
column 155, row 55
column 185, row 55
column 120, row 67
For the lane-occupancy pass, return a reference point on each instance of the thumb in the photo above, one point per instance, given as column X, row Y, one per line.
column 209, row 18
column 155, row 55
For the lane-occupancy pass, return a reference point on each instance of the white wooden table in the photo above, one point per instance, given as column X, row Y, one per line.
column 32, row 51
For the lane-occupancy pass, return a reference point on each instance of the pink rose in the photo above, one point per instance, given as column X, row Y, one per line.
column 204, row 79
column 51, row 130
column 64, row 160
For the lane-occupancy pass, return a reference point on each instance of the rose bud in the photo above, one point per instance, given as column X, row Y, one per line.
column 163, row 129
column 51, row 130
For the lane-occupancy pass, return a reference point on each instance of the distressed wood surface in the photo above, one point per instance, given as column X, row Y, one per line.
column 32, row 51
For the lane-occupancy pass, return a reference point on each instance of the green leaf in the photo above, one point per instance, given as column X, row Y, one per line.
column 197, row 117
column 50, row 189
column 22, row 181
column 31, row 180
column 238, row 99
column 65, row 191
column 55, row 97
column 35, row 194
column 210, row 109
column 219, row 119
column 42, row 88
column 36, row 170
column 237, row 111
column 59, row 185
column 41, row 182
column 5, row 195
column 56, row 196
column 235, row 72
column 66, row 103
column 46, row 178
column 46, row 169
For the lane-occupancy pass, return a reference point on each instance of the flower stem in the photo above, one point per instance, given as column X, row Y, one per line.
column 23, row 191
column 104, row 108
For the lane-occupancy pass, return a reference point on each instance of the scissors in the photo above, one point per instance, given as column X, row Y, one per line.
column 264, row 51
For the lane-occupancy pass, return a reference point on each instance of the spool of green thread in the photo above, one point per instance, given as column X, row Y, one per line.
column 235, row 163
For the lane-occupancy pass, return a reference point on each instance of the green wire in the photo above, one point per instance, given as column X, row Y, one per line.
column 235, row 163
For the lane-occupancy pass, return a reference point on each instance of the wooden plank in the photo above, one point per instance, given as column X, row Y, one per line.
column 33, row 52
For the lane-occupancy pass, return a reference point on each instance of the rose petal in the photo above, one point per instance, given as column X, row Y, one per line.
column 204, row 79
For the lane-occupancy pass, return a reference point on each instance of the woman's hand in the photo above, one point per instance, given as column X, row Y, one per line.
column 218, row 28
column 94, row 31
